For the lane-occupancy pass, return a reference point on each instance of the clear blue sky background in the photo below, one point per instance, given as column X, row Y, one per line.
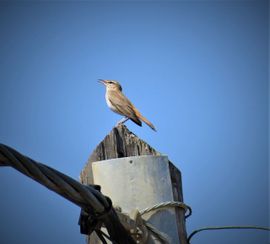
column 198, row 70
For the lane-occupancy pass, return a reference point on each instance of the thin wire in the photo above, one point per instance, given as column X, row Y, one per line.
column 226, row 228
column 100, row 236
column 164, row 238
column 104, row 234
column 168, row 204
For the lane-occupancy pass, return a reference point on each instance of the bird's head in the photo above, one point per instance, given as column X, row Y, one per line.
column 111, row 84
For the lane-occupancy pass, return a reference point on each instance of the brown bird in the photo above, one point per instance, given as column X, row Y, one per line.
column 120, row 104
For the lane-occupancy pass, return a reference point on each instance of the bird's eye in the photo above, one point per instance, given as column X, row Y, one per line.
column 110, row 82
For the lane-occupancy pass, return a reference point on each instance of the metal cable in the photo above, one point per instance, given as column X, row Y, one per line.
column 168, row 204
column 227, row 228
column 101, row 237
column 171, row 204
column 105, row 235
column 96, row 205
column 54, row 180
column 162, row 237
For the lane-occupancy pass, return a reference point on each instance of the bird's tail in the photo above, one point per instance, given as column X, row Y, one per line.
column 145, row 120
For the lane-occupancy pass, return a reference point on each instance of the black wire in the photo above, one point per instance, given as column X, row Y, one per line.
column 189, row 212
column 100, row 236
column 226, row 228
column 108, row 237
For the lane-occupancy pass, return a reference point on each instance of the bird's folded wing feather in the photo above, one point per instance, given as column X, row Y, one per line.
column 123, row 106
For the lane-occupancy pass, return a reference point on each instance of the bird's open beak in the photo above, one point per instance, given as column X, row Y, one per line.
column 102, row 81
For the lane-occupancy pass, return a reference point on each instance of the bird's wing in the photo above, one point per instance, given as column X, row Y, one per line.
column 123, row 106
column 145, row 120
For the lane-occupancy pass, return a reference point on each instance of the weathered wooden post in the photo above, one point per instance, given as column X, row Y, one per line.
column 136, row 176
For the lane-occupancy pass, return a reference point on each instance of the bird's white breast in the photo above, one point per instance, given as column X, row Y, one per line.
column 109, row 102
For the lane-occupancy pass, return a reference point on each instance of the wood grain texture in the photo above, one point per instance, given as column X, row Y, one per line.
column 120, row 142
column 176, row 180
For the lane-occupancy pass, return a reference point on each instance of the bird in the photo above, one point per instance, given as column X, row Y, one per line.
column 120, row 104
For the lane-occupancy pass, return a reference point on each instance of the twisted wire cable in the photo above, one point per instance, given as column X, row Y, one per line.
column 170, row 204
column 87, row 197
column 82, row 195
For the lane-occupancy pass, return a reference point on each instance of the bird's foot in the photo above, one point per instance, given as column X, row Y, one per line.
column 122, row 121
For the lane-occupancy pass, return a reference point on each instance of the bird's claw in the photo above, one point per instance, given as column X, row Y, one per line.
column 122, row 121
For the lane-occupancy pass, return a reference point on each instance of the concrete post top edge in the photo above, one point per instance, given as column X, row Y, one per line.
column 131, row 158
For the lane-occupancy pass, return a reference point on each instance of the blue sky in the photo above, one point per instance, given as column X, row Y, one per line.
column 197, row 69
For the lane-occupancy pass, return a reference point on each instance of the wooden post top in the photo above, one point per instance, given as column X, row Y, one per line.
column 119, row 143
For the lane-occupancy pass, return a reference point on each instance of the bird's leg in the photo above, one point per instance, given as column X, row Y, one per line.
column 122, row 121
